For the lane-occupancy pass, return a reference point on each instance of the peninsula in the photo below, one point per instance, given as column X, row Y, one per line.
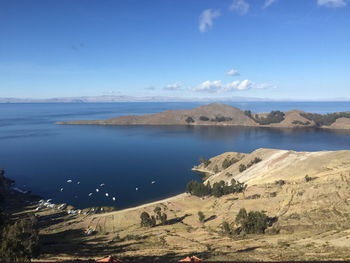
column 217, row 114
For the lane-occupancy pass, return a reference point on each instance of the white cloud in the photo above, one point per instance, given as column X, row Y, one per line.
column 206, row 19
column 232, row 72
column 174, row 86
column 216, row 86
column 332, row 3
column 268, row 3
column 240, row 6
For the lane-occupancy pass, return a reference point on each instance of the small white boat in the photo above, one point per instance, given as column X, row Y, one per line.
column 107, row 194
column 78, row 182
column 69, row 181
column 136, row 188
column 153, row 182
column 90, row 194
column 97, row 190
column 113, row 198
column 61, row 189
column 102, row 185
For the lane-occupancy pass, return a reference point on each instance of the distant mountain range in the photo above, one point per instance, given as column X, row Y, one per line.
column 125, row 98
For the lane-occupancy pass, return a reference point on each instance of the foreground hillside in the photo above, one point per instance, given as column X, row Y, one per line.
column 308, row 194
column 225, row 115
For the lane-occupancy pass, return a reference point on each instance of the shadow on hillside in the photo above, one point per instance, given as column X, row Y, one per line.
column 210, row 218
column 177, row 219
column 52, row 219
column 75, row 244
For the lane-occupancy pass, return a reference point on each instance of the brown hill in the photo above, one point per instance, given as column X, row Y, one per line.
column 216, row 114
column 313, row 216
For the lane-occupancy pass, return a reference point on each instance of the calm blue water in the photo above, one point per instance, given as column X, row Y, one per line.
column 43, row 156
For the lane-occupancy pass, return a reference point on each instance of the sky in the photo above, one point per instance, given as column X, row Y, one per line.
column 278, row 49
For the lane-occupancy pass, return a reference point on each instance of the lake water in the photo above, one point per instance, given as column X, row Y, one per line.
column 42, row 156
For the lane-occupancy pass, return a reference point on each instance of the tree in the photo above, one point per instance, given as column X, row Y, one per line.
column 147, row 220
column 20, row 240
column 189, row 120
column 163, row 219
column 254, row 222
column 201, row 216
column 204, row 118
column 158, row 212
column 204, row 161
column 226, row 228
column 242, row 167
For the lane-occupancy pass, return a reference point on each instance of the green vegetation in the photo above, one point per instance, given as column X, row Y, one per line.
column 221, row 119
column 204, row 118
column 150, row 221
column 201, row 216
column 219, row 188
column 243, row 167
column 198, row 189
column 228, row 162
column 204, row 161
column 308, row 178
column 19, row 240
column 301, row 123
column 254, row 222
column 216, row 169
column 325, row 119
column 147, row 220
column 272, row 117
column 189, row 120
column 280, row 182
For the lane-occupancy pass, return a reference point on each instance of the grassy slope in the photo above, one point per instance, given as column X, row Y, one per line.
column 314, row 217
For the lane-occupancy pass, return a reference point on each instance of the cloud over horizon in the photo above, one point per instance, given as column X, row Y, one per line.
column 173, row 86
column 206, row 19
column 216, row 86
column 332, row 3
column 240, row 6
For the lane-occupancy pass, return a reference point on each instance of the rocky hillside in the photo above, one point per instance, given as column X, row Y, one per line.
column 224, row 115
column 308, row 193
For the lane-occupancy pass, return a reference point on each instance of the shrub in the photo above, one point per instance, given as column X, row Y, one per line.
column 201, row 216
column 219, row 188
column 221, row 119
column 242, row 168
column 198, row 189
column 280, row 182
column 216, row 169
column 147, row 220
column 226, row 228
column 20, row 240
column 189, row 120
column 203, row 118
column 228, row 162
column 204, row 161
column 325, row 119
column 254, row 222
column 296, row 122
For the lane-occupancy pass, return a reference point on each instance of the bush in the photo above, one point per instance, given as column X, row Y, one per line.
column 221, row 119
column 228, row 162
column 226, row 228
column 20, row 240
column 219, row 188
column 198, row 189
column 280, row 182
column 325, row 119
column 204, row 161
column 272, row 117
column 189, row 120
column 147, row 220
column 201, row 216
column 203, row 118
column 301, row 123
column 242, row 168
column 254, row 222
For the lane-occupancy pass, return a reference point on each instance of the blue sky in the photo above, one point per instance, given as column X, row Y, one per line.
column 184, row 48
